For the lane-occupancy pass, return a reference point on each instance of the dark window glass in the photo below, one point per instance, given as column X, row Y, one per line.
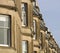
column 35, row 51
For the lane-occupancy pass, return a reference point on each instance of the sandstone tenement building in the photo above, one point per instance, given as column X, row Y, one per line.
column 23, row 30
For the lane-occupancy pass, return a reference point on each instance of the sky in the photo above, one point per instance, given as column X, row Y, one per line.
column 50, row 10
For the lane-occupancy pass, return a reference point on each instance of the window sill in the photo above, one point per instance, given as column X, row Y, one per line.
column 6, row 47
column 23, row 25
column 2, row 45
column 34, row 39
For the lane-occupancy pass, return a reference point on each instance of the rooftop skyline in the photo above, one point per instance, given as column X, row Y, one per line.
column 50, row 9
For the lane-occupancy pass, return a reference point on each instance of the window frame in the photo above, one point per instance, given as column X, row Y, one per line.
column 34, row 29
column 24, row 20
column 26, row 45
column 34, row 3
column 41, row 38
column 8, row 44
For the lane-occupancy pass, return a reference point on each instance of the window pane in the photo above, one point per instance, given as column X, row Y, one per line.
column 1, row 24
column 4, row 20
column 34, row 26
column 23, row 18
column 5, row 36
column 1, row 36
column 8, row 37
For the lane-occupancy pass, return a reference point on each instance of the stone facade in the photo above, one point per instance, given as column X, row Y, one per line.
column 59, row 50
column 26, row 29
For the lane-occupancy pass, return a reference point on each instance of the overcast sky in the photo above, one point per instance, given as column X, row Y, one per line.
column 50, row 10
